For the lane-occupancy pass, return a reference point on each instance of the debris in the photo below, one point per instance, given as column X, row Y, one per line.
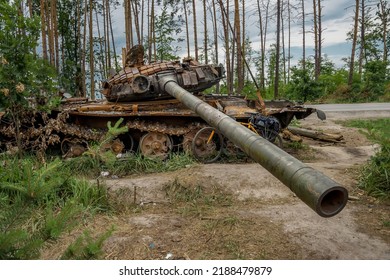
column 169, row 256
column 104, row 173
column 289, row 136
column 318, row 135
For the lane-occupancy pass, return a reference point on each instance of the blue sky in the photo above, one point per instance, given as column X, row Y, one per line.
column 337, row 21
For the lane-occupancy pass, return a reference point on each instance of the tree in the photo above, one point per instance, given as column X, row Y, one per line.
column 277, row 55
column 186, row 24
column 22, row 75
column 237, row 37
column 166, row 28
column 195, row 30
column 303, row 35
column 383, row 15
column 91, row 52
column 354, row 39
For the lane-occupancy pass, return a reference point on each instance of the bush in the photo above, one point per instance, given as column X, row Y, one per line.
column 38, row 202
column 375, row 176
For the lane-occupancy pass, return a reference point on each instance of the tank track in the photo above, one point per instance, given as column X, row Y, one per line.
column 176, row 130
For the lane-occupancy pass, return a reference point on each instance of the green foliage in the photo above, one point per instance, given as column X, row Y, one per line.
column 166, row 29
column 130, row 164
column 302, row 85
column 375, row 176
column 22, row 75
column 86, row 247
column 39, row 202
column 56, row 222
column 375, row 79
column 114, row 131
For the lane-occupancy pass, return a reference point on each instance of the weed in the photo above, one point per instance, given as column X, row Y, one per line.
column 233, row 247
column 375, row 175
column 386, row 224
column 39, row 202
column 295, row 145
column 86, row 247
column 295, row 122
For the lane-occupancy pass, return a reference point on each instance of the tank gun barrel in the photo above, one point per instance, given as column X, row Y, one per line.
column 325, row 196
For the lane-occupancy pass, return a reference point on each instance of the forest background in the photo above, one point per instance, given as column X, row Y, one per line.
column 47, row 45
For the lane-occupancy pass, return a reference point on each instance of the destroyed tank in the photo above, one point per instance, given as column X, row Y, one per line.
column 163, row 110
column 159, row 123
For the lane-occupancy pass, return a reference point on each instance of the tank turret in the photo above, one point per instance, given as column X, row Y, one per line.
column 138, row 81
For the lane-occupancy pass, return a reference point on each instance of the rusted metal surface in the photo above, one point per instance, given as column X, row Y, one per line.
column 325, row 196
column 135, row 94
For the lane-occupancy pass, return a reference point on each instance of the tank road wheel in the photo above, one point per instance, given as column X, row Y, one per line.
column 207, row 145
column 73, row 147
column 155, row 145
column 272, row 136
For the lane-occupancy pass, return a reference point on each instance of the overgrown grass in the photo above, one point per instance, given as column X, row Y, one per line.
column 131, row 164
column 38, row 202
column 375, row 176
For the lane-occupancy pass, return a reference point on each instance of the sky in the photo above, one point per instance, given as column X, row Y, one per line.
column 337, row 21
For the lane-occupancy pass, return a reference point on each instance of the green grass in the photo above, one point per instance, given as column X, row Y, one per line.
column 133, row 164
column 375, row 175
column 41, row 201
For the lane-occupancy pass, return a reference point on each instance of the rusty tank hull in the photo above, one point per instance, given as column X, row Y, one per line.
column 157, row 122
column 159, row 127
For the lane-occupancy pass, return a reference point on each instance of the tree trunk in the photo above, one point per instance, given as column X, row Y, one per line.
column 354, row 39
column 195, row 30
column 217, row 89
column 237, row 29
column 319, row 135
column 83, row 67
column 142, row 21
column 50, row 26
column 127, row 31
column 91, row 53
column 319, row 54
column 303, row 36
column 283, row 48
column 384, row 15
column 289, row 41
column 136, row 21
column 243, row 46
column 206, row 59
column 31, row 13
column 362, row 37
column 225, row 25
column 102, row 62
column 112, row 37
column 263, row 21
column 55, row 30
column 315, row 17
column 107, row 35
column 277, row 56
column 187, row 32
column 43, row 29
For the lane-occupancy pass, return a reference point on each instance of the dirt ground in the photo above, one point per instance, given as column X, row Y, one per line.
column 240, row 211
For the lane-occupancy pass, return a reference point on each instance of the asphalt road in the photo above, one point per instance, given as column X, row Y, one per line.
column 352, row 107
column 353, row 111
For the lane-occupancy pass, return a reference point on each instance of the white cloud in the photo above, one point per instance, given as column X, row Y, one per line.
column 337, row 21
